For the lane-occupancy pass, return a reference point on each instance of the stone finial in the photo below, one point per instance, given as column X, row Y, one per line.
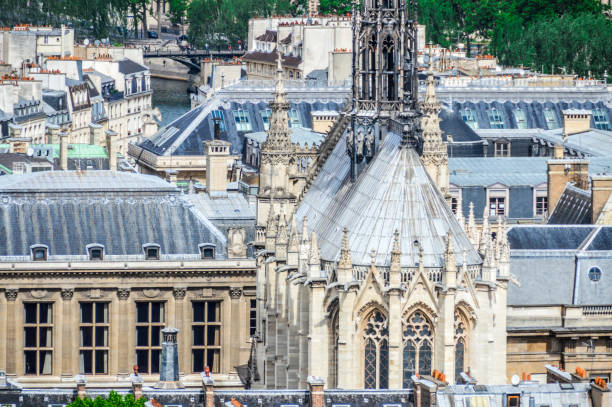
column 460, row 219
column 294, row 237
column 305, row 230
column 345, row 252
column 449, row 255
column 271, row 227
column 395, row 270
column 471, row 226
column 485, row 235
column 314, row 256
column 282, row 237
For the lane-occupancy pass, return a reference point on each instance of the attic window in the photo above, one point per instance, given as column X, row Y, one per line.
column 595, row 274
column 601, row 119
column 551, row 119
column 39, row 253
column 469, row 117
column 207, row 251
column 496, row 119
column 151, row 251
column 96, row 252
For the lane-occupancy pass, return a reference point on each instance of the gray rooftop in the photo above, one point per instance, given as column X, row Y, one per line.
column 299, row 135
column 83, row 181
column 394, row 192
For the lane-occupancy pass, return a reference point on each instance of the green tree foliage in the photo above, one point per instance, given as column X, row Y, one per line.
column 565, row 34
column 338, row 7
column 113, row 400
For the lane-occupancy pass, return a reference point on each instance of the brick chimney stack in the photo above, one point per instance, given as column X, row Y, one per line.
column 111, row 148
column 217, row 155
column 63, row 139
column 601, row 189
column 95, row 134
column 560, row 172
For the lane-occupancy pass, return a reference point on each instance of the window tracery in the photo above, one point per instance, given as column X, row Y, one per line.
column 417, row 341
column 461, row 336
column 376, row 352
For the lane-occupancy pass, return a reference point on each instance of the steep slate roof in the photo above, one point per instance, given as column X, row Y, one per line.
column 268, row 36
column 122, row 222
column 394, row 192
column 127, row 66
column 560, row 257
column 84, row 182
column 573, row 208
column 271, row 57
column 299, row 135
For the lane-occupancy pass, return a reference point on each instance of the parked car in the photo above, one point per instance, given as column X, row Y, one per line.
column 152, row 34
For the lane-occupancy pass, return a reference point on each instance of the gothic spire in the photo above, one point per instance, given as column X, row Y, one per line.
column 294, row 238
column 279, row 134
column 314, row 257
column 345, row 252
column 395, row 271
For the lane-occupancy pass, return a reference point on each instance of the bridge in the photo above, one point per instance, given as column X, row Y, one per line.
column 191, row 58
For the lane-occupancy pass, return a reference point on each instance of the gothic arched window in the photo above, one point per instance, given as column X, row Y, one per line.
column 418, row 342
column 376, row 352
column 333, row 346
column 389, row 76
column 461, row 336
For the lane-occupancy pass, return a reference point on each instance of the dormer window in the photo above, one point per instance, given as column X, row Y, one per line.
column 151, row 251
column 96, row 252
column 39, row 253
column 207, row 251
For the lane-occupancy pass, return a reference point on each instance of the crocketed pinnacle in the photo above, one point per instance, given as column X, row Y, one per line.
column 396, row 253
column 279, row 134
column 345, row 253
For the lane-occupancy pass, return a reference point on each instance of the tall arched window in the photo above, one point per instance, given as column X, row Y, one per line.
column 418, row 343
column 376, row 352
column 461, row 335
column 333, row 346
column 388, row 49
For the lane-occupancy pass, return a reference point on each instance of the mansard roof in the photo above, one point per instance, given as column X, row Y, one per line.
column 394, row 192
column 123, row 222
column 573, row 208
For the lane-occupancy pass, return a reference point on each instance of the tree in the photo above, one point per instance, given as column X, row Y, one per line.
column 113, row 400
column 339, row 7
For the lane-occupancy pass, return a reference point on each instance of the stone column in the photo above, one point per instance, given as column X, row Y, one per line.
column 317, row 330
column 11, row 331
column 208, row 385
column 236, row 326
column 67, row 347
column 179, row 295
column 395, row 339
column 317, row 396
column 124, row 332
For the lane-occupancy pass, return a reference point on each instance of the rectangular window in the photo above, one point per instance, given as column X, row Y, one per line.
column 93, row 347
column 206, row 336
column 252, row 317
column 521, row 119
column 294, row 118
column 541, row 205
column 601, row 119
column 150, row 319
column 497, row 206
column 551, row 119
column 265, row 118
column 469, row 117
column 218, row 114
column 496, row 119
column 502, row 149
column 38, row 338
column 243, row 122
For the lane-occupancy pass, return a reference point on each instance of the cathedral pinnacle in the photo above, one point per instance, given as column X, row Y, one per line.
column 305, row 230
column 396, row 254
column 314, row 257
column 395, row 271
column 279, row 133
column 345, row 252
column 294, row 238
column 449, row 256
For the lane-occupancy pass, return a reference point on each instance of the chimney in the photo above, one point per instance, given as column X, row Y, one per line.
column 601, row 189
column 558, row 151
column 63, row 139
column 562, row 171
column 217, row 155
column 172, row 176
column 111, row 148
column 95, row 134
column 169, row 372
column 81, row 386
column 576, row 121
column 52, row 133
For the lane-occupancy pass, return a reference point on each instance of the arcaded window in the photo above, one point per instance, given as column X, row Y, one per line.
column 418, row 346
column 206, row 334
column 461, row 337
column 38, row 338
column 150, row 320
column 376, row 352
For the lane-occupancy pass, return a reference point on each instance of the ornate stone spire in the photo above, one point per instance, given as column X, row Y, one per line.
column 345, row 265
column 449, row 255
column 294, row 238
column 471, row 226
column 314, row 257
column 282, row 236
column 435, row 156
column 485, row 235
column 460, row 218
column 345, row 252
column 305, row 230
column 271, row 227
column 279, row 133
column 395, row 271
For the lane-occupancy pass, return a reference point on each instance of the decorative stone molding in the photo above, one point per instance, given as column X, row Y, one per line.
column 235, row 292
column 150, row 292
column 11, row 293
column 95, row 293
column 67, row 294
column 179, row 293
column 123, row 293
column 39, row 294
